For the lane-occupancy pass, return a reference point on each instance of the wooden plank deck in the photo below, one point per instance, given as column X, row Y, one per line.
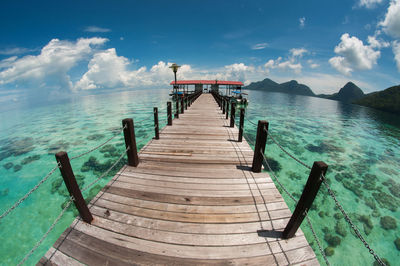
column 191, row 201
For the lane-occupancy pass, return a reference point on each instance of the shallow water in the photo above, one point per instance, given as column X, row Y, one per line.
column 360, row 146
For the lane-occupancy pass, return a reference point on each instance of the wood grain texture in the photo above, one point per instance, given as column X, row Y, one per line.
column 192, row 200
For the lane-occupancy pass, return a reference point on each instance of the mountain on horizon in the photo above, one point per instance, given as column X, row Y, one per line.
column 349, row 93
column 291, row 87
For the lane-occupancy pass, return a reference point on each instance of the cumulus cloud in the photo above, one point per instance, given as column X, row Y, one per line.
column 391, row 23
column 396, row 51
column 108, row 70
column 353, row 54
column 291, row 64
column 259, row 46
column 302, row 22
column 51, row 65
column 369, row 3
column 377, row 43
column 96, row 29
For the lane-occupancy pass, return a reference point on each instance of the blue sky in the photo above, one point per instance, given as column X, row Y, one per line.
column 54, row 48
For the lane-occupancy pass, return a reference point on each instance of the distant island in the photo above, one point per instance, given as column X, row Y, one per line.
column 387, row 100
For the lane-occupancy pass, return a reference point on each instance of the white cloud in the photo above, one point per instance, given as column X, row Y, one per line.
column 15, row 51
column 51, row 65
column 353, row 54
column 302, row 22
column 298, row 52
column 396, row 51
column 96, row 29
column 312, row 64
column 369, row 3
column 375, row 43
column 259, row 46
column 391, row 23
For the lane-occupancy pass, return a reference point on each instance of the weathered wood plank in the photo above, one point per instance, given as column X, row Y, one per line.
column 192, row 200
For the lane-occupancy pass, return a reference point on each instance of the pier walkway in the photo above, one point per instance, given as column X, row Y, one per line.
column 192, row 200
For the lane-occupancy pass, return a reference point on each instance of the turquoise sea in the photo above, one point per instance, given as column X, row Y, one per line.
column 360, row 145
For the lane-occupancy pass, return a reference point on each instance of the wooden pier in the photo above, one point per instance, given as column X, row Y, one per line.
column 192, row 200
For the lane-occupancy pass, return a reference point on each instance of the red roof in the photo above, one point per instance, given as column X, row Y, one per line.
column 207, row 82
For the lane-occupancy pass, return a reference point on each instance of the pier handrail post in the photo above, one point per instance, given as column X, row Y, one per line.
column 156, row 129
column 169, row 113
column 227, row 110
column 241, row 125
column 130, row 141
column 186, row 103
column 223, row 106
column 233, row 114
column 307, row 197
column 177, row 108
column 259, row 148
column 182, row 106
column 72, row 186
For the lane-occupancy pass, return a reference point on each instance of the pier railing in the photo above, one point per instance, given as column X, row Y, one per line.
column 316, row 177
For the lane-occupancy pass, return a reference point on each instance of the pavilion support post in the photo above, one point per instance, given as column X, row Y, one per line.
column 227, row 110
column 169, row 113
column 259, row 148
column 233, row 114
column 241, row 125
column 309, row 193
column 177, row 108
column 156, row 126
column 72, row 186
column 130, row 141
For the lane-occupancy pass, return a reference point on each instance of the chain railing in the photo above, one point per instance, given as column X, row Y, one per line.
column 106, row 172
column 330, row 191
column 17, row 203
column 71, row 199
column 100, row 145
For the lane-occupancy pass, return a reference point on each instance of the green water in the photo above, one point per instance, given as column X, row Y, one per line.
column 359, row 145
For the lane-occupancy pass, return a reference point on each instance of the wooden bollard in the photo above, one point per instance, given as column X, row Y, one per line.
column 156, row 128
column 309, row 193
column 72, row 186
column 182, row 106
column 259, row 147
column 241, row 125
column 130, row 141
column 233, row 114
column 227, row 110
column 169, row 113
column 177, row 108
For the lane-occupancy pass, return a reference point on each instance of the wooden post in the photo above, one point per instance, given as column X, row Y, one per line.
column 227, row 110
column 223, row 106
column 233, row 114
column 241, row 125
column 156, row 129
column 72, row 186
column 309, row 193
column 259, row 148
column 186, row 102
column 177, row 108
column 182, row 106
column 169, row 113
column 130, row 141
